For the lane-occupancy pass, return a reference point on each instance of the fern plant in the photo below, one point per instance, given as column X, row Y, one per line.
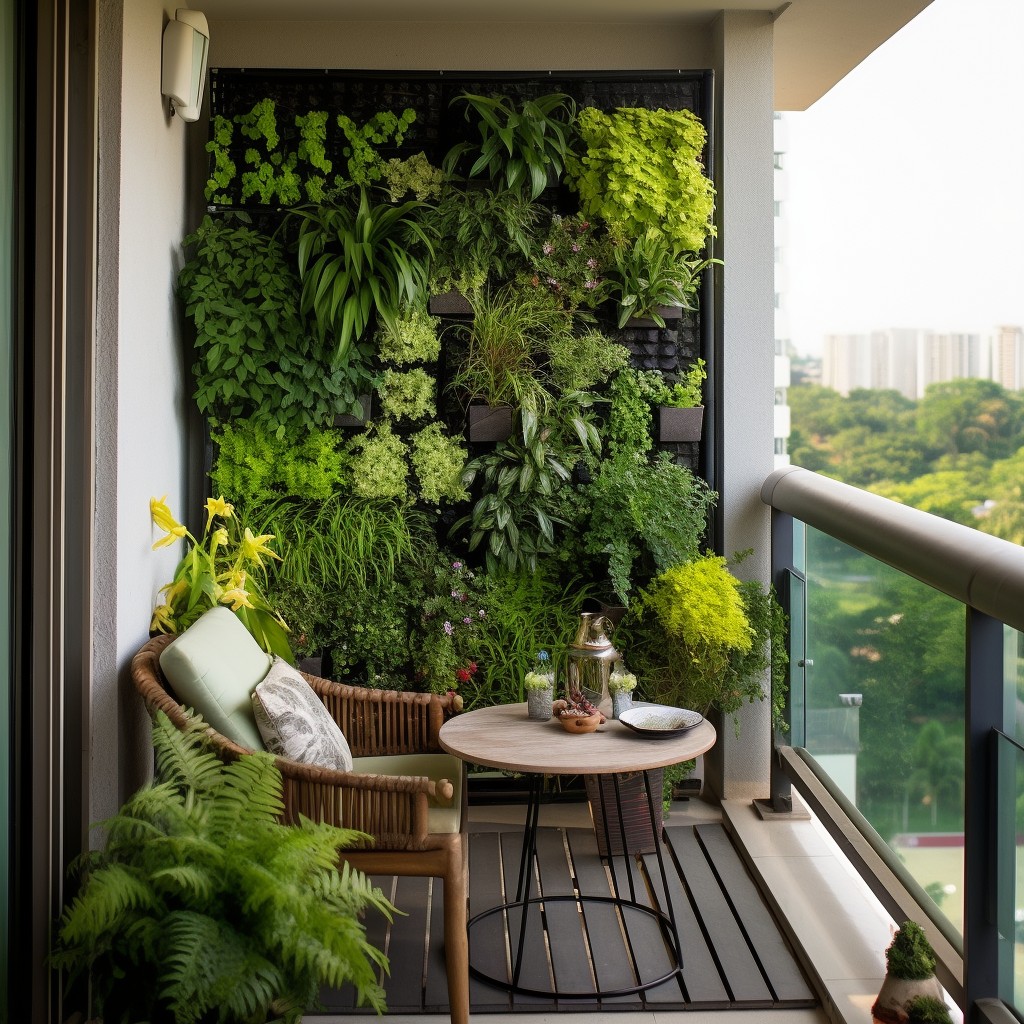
column 202, row 907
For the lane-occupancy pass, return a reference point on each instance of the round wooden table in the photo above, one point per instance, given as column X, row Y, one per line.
column 504, row 737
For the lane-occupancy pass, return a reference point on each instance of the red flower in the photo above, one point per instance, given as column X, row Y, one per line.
column 463, row 675
column 472, row 667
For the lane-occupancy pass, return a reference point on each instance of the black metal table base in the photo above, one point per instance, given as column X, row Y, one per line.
column 667, row 921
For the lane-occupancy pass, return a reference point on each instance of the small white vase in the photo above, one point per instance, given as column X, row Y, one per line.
column 622, row 700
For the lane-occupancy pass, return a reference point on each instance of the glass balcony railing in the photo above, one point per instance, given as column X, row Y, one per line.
column 906, row 714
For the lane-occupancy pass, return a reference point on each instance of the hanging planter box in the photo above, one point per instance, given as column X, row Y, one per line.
column 677, row 425
column 351, row 419
column 490, row 422
column 666, row 313
column 450, row 304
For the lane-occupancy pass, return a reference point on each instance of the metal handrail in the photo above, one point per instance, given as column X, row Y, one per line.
column 979, row 570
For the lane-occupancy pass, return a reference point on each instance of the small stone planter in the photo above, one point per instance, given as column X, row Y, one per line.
column 666, row 313
column 538, row 704
column 677, row 425
column 622, row 700
column 451, row 303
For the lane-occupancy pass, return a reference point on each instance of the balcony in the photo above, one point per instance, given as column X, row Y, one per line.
column 903, row 740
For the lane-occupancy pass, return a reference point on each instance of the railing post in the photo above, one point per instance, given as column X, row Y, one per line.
column 984, row 678
column 783, row 566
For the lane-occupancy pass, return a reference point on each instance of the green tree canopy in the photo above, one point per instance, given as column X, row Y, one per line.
column 972, row 415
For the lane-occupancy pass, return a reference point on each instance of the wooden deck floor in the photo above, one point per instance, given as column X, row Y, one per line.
column 734, row 955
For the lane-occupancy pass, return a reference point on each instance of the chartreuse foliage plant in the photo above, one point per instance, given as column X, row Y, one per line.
column 203, row 907
column 379, row 470
column 407, row 394
column 254, row 356
column 438, row 461
column 358, row 258
column 255, row 466
column 416, row 175
column 364, row 163
column 641, row 170
column 227, row 567
column 579, row 362
column 411, row 338
column 519, row 146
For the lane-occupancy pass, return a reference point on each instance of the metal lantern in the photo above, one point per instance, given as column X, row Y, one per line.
column 590, row 659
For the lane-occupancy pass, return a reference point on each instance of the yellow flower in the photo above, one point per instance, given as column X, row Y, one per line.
column 162, row 515
column 253, row 547
column 237, row 598
column 172, row 591
column 219, row 539
column 218, row 507
column 162, row 621
column 163, row 519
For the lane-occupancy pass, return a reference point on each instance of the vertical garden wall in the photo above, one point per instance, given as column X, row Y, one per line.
column 445, row 328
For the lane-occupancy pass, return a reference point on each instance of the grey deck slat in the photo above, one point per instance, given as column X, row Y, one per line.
column 569, row 953
column 486, row 952
column 612, row 963
column 777, row 961
column 702, row 983
column 740, row 969
column 536, row 969
column 403, row 988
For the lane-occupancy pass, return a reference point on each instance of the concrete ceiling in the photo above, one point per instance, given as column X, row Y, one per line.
column 817, row 42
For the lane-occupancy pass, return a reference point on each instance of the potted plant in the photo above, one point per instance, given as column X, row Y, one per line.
column 910, row 974
column 652, row 280
column 201, row 904
column 681, row 412
column 499, row 370
column 539, row 684
column 621, row 684
column 521, row 149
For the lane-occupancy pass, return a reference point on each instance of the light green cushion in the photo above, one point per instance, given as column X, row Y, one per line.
column 213, row 668
column 441, row 818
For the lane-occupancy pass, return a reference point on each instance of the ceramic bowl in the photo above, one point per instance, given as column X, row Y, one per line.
column 657, row 721
column 580, row 723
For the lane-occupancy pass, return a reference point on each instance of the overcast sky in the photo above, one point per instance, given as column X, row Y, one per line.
column 906, row 182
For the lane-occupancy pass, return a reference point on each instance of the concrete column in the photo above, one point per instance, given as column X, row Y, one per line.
column 744, row 315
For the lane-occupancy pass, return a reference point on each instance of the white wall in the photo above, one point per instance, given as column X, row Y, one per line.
column 141, row 394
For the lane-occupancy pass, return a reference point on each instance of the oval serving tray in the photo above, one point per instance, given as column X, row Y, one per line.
column 658, row 721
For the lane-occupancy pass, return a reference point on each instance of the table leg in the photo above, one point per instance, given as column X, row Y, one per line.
column 528, row 857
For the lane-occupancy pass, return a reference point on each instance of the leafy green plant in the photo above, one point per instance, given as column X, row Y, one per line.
column 273, row 175
column 254, row 358
column 254, row 465
column 344, row 542
column 572, row 262
column 509, row 332
column 519, row 146
column 687, row 635
column 364, row 163
column 910, row 955
column 416, row 175
column 641, row 169
column 688, row 391
column 633, row 392
column 222, row 174
column 579, row 362
column 927, row 1010
column 379, row 469
column 408, row 394
column 225, row 568
column 644, row 517
column 527, row 611
column 438, row 462
column 519, row 479
column 481, row 238
column 202, row 906
column 355, row 260
column 648, row 273
column 411, row 338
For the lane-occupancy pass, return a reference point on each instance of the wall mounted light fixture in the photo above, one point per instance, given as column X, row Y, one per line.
column 185, row 51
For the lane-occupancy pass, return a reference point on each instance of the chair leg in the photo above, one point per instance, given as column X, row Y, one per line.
column 456, row 943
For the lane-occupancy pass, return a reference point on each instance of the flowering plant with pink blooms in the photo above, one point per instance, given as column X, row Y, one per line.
column 450, row 624
column 572, row 262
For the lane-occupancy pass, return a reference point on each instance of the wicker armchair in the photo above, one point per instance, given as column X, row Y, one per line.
column 393, row 809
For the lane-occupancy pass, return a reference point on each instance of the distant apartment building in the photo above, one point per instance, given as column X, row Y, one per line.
column 782, row 342
column 908, row 360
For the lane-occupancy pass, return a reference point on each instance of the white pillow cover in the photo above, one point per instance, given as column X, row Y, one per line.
column 294, row 722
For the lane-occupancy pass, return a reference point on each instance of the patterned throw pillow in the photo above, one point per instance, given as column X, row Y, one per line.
column 294, row 722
